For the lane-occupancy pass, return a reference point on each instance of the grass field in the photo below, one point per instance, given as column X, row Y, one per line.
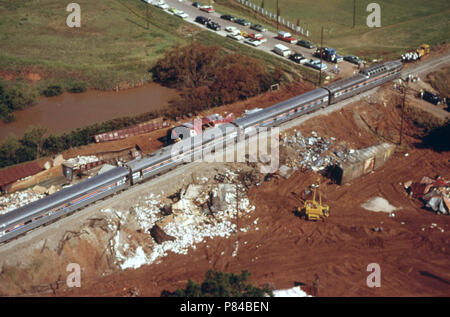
column 404, row 24
column 112, row 48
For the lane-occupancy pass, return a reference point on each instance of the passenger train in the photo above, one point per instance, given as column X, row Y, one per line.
column 67, row 200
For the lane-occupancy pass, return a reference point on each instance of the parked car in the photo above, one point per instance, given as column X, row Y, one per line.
column 282, row 50
column 306, row 43
column 242, row 22
column 181, row 14
column 329, row 54
column 236, row 36
column 286, row 37
column 197, row 4
column 298, row 58
column 162, row 5
column 207, row 9
column 430, row 97
column 202, row 20
column 353, row 59
column 228, row 17
column 257, row 36
column 232, row 29
column 213, row 25
column 148, row 1
column 173, row 10
column 258, row 27
column 316, row 64
column 253, row 42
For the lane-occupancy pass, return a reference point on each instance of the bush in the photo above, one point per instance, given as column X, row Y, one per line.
column 53, row 90
column 77, row 87
column 219, row 284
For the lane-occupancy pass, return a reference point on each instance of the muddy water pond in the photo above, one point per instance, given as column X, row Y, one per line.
column 69, row 111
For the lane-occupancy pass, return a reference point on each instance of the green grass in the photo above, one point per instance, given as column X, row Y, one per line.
column 112, row 48
column 404, row 24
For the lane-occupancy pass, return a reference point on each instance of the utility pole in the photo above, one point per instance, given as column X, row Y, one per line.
column 147, row 15
column 354, row 13
column 321, row 51
column 278, row 15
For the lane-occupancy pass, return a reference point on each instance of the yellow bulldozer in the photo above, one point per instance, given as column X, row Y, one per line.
column 423, row 50
column 312, row 209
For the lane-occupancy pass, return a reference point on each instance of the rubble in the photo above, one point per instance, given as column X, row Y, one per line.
column 76, row 162
column 159, row 235
column 313, row 152
column 202, row 211
column 18, row 199
column 285, row 171
column 434, row 193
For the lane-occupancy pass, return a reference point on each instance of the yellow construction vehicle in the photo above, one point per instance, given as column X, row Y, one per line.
column 423, row 50
column 313, row 209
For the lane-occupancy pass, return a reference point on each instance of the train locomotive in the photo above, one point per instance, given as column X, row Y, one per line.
column 78, row 196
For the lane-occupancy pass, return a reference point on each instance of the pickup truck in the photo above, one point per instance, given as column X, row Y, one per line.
column 257, row 36
column 329, row 54
column 286, row 37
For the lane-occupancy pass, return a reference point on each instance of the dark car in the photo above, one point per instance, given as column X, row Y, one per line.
column 201, row 20
column 258, row 27
column 213, row 25
column 242, row 22
column 430, row 97
column 196, row 4
column 306, row 43
column 353, row 59
column 298, row 58
column 228, row 17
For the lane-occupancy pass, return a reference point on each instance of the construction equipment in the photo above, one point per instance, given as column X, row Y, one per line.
column 423, row 50
column 313, row 209
column 418, row 54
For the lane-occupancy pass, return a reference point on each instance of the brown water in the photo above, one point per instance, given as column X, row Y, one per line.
column 68, row 111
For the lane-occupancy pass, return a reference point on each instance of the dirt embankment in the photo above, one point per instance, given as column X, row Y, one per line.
column 278, row 247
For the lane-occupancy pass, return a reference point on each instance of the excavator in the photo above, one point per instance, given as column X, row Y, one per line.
column 312, row 209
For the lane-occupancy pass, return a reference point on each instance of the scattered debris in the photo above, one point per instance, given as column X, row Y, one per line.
column 285, row 171
column 159, row 235
column 434, row 193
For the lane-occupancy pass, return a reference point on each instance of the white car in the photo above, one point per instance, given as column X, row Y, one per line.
column 162, row 5
column 148, row 1
column 253, row 42
column 236, row 36
column 181, row 14
column 232, row 29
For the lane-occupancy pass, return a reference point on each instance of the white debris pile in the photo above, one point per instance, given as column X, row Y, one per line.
column 203, row 211
column 290, row 292
column 378, row 204
column 82, row 160
column 314, row 152
column 18, row 199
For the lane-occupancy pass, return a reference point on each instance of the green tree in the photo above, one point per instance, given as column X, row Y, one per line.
column 32, row 142
column 8, row 150
column 220, row 284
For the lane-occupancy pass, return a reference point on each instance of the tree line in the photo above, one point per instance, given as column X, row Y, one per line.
column 208, row 78
column 205, row 76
